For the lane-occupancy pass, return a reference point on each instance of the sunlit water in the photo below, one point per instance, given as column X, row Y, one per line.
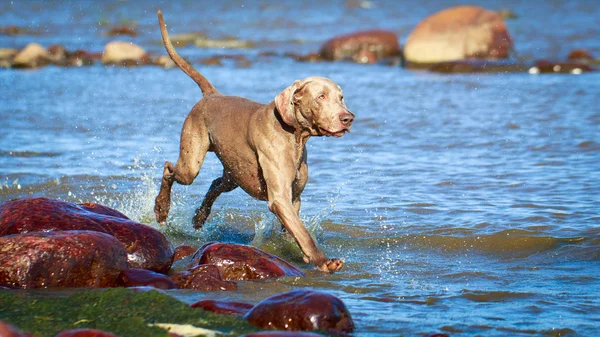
column 465, row 204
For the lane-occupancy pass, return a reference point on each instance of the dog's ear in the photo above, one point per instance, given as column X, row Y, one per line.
column 284, row 102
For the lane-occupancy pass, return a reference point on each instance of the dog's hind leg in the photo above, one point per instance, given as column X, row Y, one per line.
column 193, row 146
column 218, row 186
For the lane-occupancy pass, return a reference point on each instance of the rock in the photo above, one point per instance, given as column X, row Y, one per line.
column 13, row 30
column 32, row 56
column 61, row 259
column 549, row 67
column 7, row 330
column 205, row 278
column 458, row 33
column 477, row 66
column 282, row 334
column 146, row 247
column 182, row 252
column 164, row 61
column 580, row 55
column 85, row 333
column 241, row 262
column 124, row 54
column 122, row 30
column 310, row 57
column 135, row 277
column 224, row 307
column 6, row 57
column 58, row 54
column 303, row 310
column 80, row 58
column 362, row 47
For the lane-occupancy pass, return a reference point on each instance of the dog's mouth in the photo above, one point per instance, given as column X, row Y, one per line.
column 336, row 134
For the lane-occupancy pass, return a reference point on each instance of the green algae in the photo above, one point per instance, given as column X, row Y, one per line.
column 124, row 312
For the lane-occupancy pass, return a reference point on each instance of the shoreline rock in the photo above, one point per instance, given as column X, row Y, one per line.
column 367, row 46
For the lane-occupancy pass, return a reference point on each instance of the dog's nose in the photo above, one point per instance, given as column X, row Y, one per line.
column 346, row 118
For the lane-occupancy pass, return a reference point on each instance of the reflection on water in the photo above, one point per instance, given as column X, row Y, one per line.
column 465, row 204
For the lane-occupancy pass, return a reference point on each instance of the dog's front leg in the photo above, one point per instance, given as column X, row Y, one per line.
column 279, row 180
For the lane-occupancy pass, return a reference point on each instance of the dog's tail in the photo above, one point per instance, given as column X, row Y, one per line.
column 206, row 87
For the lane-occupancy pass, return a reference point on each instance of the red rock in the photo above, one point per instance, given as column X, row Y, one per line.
column 85, row 333
column 379, row 43
column 122, row 30
column 7, row 330
column 146, row 247
column 458, row 33
column 61, row 259
column 241, row 262
column 224, row 307
column 205, row 277
column 303, row 310
column 549, row 67
column 282, row 334
column 141, row 278
column 182, row 252
column 580, row 55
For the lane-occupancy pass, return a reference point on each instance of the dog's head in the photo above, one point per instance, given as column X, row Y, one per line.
column 315, row 104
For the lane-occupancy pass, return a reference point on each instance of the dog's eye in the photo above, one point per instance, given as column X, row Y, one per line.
column 321, row 97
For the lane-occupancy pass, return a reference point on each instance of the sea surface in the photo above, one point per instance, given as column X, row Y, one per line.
column 463, row 204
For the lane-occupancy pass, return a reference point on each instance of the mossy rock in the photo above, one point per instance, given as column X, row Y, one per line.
column 124, row 312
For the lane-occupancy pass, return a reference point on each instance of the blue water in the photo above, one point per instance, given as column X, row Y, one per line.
column 464, row 204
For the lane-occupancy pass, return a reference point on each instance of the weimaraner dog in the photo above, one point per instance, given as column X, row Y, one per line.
column 262, row 147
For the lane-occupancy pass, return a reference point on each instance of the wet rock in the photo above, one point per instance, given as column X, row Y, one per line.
column 124, row 54
column 32, row 56
column 458, row 33
column 61, row 259
column 211, row 61
column 58, row 54
column 183, row 251
column 205, row 278
column 164, row 61
column 362, row 47
column 13, row 30
column 224, row 307
column 310, row 57
column 80, row 58
column 122, row 30
column 85, row 333
column 549, row 67
column 283, row 334
column 135, row 277
column 146, row 247
column 477, row 66
column 580, row 55
column 241, row 262
column 7, row 330
column 6, row 57
column 303, row 310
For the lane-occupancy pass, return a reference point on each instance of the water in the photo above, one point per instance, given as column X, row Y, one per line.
column 465, row 204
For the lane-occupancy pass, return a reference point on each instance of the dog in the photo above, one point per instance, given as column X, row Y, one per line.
column 262, row 147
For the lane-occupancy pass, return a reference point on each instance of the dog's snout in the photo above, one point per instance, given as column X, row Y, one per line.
column 346, row 118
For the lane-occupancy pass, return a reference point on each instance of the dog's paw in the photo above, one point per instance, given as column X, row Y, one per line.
column 332, row 265
column 161, row 211
column 199, row 219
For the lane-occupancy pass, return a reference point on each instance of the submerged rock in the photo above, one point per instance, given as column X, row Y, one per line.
column 304, row 310
column 135, row 277
column 61, row 259
column 146, row 247
column 32, row 56
column 362, row 47
column 458, row 33
column 241, row 262
column 85, row 333
column 124, row 54
column 224, row 307
column 205, row 278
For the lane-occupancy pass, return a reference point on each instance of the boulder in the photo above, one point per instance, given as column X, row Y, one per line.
column 363, row 47
column 478, row 66
column 241, row 262
column 303, row 310
column 85, row 333
column 6, row 57
column 224, row 307
column 580, row 55
column 146, row 247
column 32, row 56
column 61, row 259
column 124, row 54
column 135, row 277
column 183, row 251
column 458, row 33
column 205, row 278
column 58, row 54
column 7, row 330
